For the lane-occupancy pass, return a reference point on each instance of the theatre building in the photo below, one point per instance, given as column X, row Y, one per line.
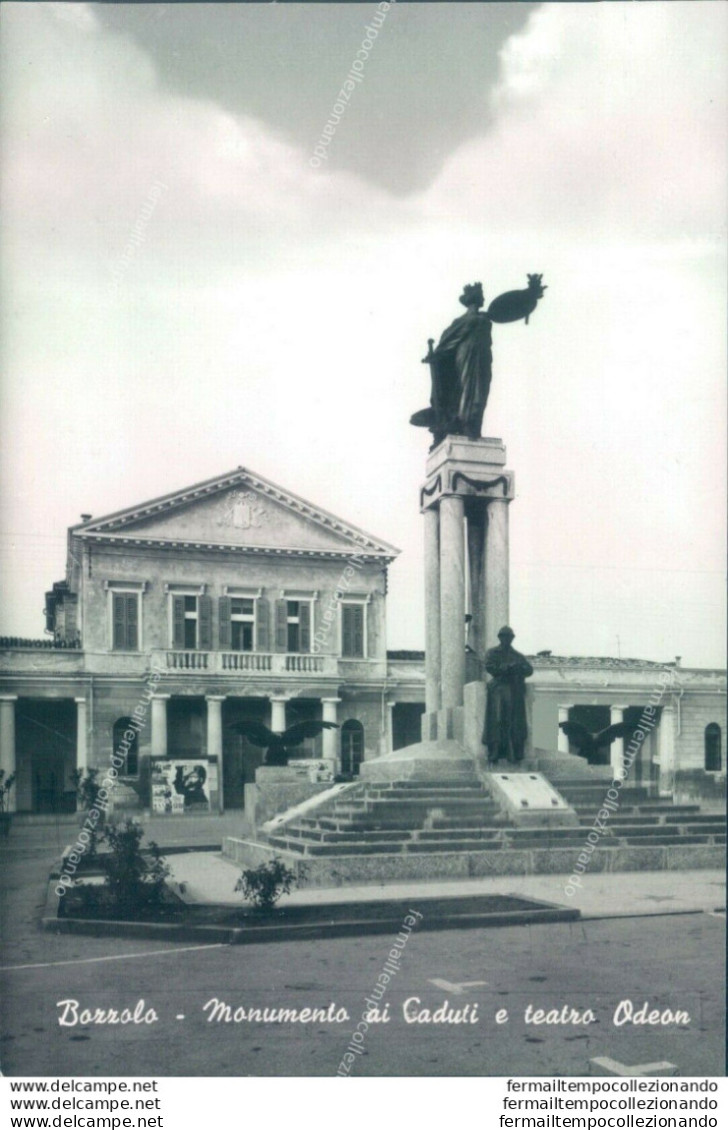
column 235, row 600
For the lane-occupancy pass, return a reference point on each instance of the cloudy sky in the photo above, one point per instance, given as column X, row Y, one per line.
column 273, row 314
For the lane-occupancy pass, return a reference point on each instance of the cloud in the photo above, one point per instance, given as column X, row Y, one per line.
column 275, row 315
column 610, row 119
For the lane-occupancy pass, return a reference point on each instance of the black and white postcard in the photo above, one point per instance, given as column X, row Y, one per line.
column 362, row 666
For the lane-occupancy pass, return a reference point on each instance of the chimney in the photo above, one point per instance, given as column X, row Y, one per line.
column 85, row 517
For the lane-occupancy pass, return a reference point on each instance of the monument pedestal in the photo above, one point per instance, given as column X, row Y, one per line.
column 424, row 761
column 465, row 505
column 464, row 501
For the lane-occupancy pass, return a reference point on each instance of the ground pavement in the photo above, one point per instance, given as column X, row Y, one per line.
column 674, row 961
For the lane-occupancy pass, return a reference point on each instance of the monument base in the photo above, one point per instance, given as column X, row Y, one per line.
column 428, row 760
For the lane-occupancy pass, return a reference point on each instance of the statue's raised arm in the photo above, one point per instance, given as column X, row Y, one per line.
column 461, row 363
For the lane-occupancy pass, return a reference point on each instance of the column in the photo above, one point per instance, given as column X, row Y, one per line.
column 7, row 742
column 432, row 610
column 278, row 712
column 496, row 570
column 452, row 600
column 81, row 734
column 330, row 737
column 476, row 525
column 562, row 742
column 616, row 750
column 666, row 746
column 159, row 725
column 390, row 725
column 214, row 737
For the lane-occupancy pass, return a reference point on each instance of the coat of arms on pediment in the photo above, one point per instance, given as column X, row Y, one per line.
column 243, row 510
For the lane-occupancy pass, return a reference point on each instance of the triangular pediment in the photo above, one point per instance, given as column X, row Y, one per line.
column 241, row 510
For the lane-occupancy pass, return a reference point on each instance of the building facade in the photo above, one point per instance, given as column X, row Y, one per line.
column 234, row 600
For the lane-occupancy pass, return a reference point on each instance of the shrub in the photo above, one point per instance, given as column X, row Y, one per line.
column 5, row 787
column 264, row 885
column 87, row 794
column 135, row 880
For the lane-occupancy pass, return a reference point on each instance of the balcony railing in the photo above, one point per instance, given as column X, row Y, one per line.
column 188, row 660
column 246, row 662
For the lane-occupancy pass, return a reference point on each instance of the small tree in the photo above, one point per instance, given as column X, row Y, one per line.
column 87, row 794
column 135, row 879
column 264, row 885
column 5, row 788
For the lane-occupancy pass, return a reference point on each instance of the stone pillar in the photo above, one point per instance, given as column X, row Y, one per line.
column 666, row 746
column 452, row 600
column 390, row 725
column 432, row 610
column 7, row 742
column 81, row 734
column 214, row 738
column 616, row 750
column 476, row 525
column 278, row 712
column 562, row 742
column 159, row 725
column 331, row 737
column 496, row 570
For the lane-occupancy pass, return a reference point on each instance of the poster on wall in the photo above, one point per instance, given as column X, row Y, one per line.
column 179, row 787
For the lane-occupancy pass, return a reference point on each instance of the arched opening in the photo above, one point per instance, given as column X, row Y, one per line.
column 713, row 750
column 352, row 747
column 126, row 747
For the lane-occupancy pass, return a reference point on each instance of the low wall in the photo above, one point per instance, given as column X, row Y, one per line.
column 339, row 871
column 276, row 790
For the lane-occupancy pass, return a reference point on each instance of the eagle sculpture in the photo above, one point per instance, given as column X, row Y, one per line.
column 593, row 747
column 276, row 746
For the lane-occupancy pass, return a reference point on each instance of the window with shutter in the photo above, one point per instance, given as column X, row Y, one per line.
column 204, row 614
column 132, row 623
column 119, row 618
column 178, row 621
column 352, row 631
column 281, row 625
column 262, row 624
column 125, row 621
column 223, row 623
column 304, row 626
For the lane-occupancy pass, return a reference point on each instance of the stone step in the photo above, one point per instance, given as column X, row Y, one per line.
column 619, row 817
column 387, row 820
column 465, row 781
column 667, row 841
column 434, row 795
column 597, row 788
column 524, row 839
column 393, row 822
column 420, row 846
column 413, row 802
column 327, row 837
column 645, row 809
column 478, row 833
column 653, row 831
column 578, row 835
column 695, row 818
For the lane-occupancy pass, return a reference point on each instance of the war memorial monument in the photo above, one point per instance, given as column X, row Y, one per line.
column 473, row 797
